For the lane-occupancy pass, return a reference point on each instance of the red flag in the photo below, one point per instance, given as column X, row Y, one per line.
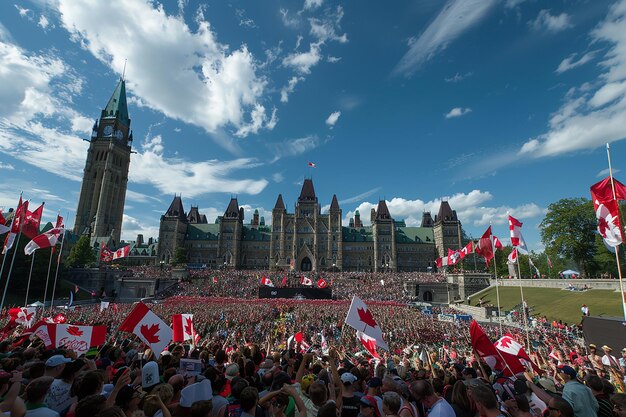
column 607, row 211
column 3, row 224
column 106, row 255
column 506, row 344
column 483, row 346
column 485, row 246
column 469, row 248
column 79, row 338
column 182, row 327
column 284, row 281
column 149, row 327
column 517, row 240
column 59, row 223
column 454, row 256
column 360, row 318
column 32, row 221
column 16, row 225
column 267, row 281
column 121, row 252
column 321, row 283
column 369, row 343
column 513, row 256
column 549, row 261
column 44, row 240
column 214, row 280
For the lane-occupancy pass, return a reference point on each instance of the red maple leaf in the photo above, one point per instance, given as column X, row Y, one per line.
column 150, row 333
column 603, row 226
column 188, row 326
column 27, row 316
column 505, row 342
column 366, row 317
column 74, row 331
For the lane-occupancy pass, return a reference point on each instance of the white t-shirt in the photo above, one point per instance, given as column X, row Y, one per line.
column 58, row 398
column 441, row 409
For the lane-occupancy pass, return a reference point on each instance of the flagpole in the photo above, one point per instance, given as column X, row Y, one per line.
column 549, row 269
column 16, row 243
column 45, row 292
column 619, row 268
column 30, row 273
column 495, row 268
column 56, row 274
column 521, row 290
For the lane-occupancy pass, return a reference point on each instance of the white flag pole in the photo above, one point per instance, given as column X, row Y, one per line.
column 56, row 274
column 495, row 267
column 30, row 273
column 619, row 268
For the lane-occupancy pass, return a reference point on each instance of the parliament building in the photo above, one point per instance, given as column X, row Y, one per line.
column 307, row 240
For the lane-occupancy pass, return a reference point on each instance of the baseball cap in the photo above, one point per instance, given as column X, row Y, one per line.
column 348, row 378
column 568, row 370
column 232, row 371
column 57, row 360
column 150, row 375
column 375, row 382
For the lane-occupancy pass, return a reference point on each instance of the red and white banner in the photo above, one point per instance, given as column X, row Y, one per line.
column 44, row 240
column 182, row 327
column 369, row 343
column 32, row 220
column 26, row 316
column 607, row 213
column 266, row 281
column 361, row 319
column 469, row 248
column 106, row 254
column 509, row 346
column 517, row 240
column 16, row 224
column 149, row 327
column 79, row 338
column 305, row 281
column 42, row 330
column 121, row 252
column 3, row 224
column 512, row 258
column 321, row 283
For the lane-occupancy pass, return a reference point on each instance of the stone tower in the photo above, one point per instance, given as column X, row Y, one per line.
column 105, row 178
column 172, row 231
column 446, row 230
column 384, row 235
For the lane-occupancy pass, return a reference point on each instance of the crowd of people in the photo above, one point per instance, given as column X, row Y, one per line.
column 247, row 368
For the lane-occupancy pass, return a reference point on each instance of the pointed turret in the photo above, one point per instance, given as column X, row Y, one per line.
column 334, row 205
column 232, row 211
column 195, row 217
column 427, row 220
column 382, row 212
column 445, row 213
column 117, row 107
column 280, row 205
column 357, row 219
column 308, row 192
column 176, row 208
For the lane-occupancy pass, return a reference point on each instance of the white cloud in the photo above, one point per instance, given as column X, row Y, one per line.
column 6, row 166
column 278, row 177
column 131, row 227
column 325, row 29
column 24, row 12
column 140, row 197
column 458, row 77
column 302, row 62
column 510, row 4
column 186, row 75
column 595, row 113
column 289, row 88
column 570, row 62
column 471, row 208
column 605, row 172
column 43, row 22
column 333, row 59
column 312, row 4
column 174, row 175
column 332, row 119
column 456, row 17
column 458, row 112
column 552, row 23
column 294, row 147
column 289, row 21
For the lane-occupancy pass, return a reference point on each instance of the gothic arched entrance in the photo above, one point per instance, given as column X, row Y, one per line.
column 306, row 265
column 428, row 296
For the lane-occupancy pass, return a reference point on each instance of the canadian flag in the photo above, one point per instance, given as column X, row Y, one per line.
column 298, row 338
column 360, row 318
column 321, row 283
column 32, row 219
column 517, row 240
column 311, row 164
column 369, row 343
column 79, row 338
column 305, row 281
column 16, row 224
column 469, row 248
column 507, row 345
column 45, row 332
column 487, row 245
column 182, row 326
column 106, row 255
column 121, row 252
column 454, row 257
column 513, row 256
column 266, row 281
column 26, row 316
column 607, row 213
column 44, row 240
column 149, row 327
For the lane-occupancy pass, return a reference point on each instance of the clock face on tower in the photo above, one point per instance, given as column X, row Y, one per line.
column 119, row 134
column 108, row 129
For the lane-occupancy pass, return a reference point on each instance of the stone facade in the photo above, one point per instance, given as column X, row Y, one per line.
column 103, row 190
column 307, row 239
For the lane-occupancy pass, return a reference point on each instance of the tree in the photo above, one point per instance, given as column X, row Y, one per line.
column 180, row 256
column 82, row 253
column 569, row 230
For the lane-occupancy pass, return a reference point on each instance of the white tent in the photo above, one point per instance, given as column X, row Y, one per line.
column 570, row 272
column 36, row 304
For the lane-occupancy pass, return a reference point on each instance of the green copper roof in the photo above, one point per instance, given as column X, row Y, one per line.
column 361, row 234
column 117, row 107
column 415, row 234
column 202, row 231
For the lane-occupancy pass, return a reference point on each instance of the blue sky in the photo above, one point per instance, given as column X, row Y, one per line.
column 494, row 105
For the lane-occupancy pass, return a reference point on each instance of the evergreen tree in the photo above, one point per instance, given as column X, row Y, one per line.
column 82, row 254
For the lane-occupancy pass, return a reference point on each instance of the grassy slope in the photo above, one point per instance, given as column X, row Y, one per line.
column 558, row 304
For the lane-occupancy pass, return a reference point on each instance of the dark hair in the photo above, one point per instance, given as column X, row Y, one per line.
column 522, row 403
column 38, row 388
column 90, row 406
column 484, row 395
column 89, row 384
column 563, row 406
column 248, row 398
column 459, row 396
column 595, row 383
column 201, row 408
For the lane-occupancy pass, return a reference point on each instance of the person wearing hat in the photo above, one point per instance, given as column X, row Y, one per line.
column 369, row 407
column 350, row 405
column 55, row 365
column 59, row 397
column 578, row 395
column 374, row 389
column 594, row 358
column 608, row 359
column 35, row 394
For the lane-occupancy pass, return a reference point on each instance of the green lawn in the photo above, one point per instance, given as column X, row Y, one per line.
column 557, row 304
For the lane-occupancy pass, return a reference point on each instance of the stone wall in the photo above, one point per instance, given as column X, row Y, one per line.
column 595, row 284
